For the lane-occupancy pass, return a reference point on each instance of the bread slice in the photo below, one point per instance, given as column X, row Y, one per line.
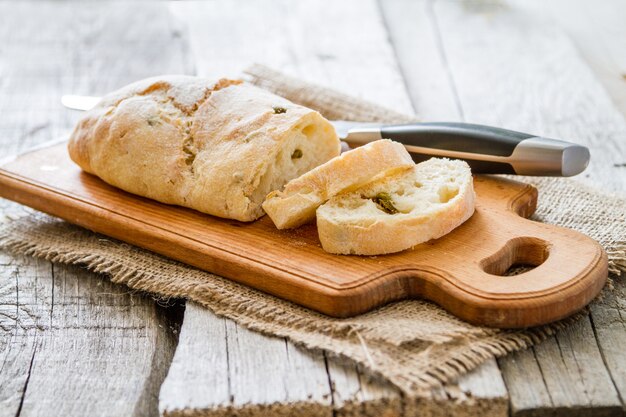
column 295, row 205
column 214, row 146
column 399, row 211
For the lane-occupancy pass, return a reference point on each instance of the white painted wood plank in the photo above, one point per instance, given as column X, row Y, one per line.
column 574, row 372
column 480, row 392
column 105, row 353
column 416, row 39
column 79, row 345
column 222, row 368
column 89, row 49
column 198, row 377
column 260, row 369
column 609, row 323
column 18, row 329
column 485, row 383
column 525, row 384
column 305, row 379
column 340, row 43
column 598, row 32
column 355, row 394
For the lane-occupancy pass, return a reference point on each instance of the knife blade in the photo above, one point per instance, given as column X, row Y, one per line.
column 487, row 149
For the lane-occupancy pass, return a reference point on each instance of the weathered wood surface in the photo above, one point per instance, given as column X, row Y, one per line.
column 355, row 394
column 71, row 343
column 574, row 372
column 221, row 368
column 83, row 55
column 313, row 40
column 509, row 68
column 77, row 344
column 597, row 30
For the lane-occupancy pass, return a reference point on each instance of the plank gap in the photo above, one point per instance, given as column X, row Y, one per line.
column 51, row 294
column 30, row 368
column 604, row 360
column 231, row 396
column 331, row 386
column 402, row 75
column 430, row 8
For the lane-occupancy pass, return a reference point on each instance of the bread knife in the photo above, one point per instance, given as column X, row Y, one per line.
column 487, row 149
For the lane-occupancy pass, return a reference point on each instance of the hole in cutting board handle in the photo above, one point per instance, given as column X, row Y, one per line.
column 518, row 255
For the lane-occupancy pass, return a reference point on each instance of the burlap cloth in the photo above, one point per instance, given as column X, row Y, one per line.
column 413, row 344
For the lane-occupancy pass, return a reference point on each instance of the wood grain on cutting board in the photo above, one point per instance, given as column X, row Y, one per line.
column 461, row 271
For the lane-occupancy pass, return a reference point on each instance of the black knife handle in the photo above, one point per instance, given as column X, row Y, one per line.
column 486, row 149
column 460, row 137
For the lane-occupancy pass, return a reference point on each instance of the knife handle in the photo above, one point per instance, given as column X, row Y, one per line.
column 488, row 150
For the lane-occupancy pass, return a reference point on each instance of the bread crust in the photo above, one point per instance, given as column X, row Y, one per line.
column 211, row 146
column 296, row 204
column 377, row 235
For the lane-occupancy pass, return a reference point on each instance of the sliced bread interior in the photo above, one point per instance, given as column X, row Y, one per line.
column 398, row 211
column 295, row 205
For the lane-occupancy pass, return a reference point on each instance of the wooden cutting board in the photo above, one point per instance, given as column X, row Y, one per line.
column 462, row 272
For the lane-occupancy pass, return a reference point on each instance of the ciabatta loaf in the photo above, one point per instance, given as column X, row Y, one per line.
column 399, row 211
column 217, row 147
column 295, row 205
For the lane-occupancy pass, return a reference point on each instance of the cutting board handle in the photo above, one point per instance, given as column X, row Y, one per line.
column 568, row 270
column 519, row 251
